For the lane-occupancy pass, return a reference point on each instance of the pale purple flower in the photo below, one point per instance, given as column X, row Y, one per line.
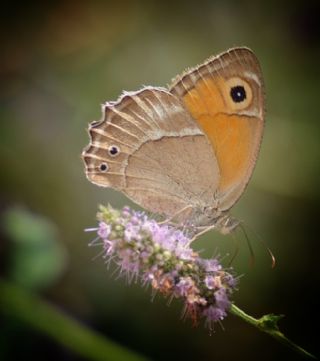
column 104, row 230
column 132, row 232
column 108, row 246
column 184, row 253
column 211, row 265
column 221, row 298
column 125, row 212
column 230, row 280
column 161, row 256
column 185, row 286
column 212, row 282
column 214, row 314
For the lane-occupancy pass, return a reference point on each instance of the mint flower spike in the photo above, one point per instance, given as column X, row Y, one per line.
column 160, row 255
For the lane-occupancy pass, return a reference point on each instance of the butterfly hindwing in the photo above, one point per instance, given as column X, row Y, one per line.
column 150, row 148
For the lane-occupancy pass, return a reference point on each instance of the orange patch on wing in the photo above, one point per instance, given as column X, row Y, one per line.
column 230, row 135
column 205, row 97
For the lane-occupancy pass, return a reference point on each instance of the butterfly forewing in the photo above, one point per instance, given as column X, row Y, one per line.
column 225, row 97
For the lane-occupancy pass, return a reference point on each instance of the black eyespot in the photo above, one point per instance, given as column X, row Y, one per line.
column 103, row 167
column 238, row 94
column 113, row 150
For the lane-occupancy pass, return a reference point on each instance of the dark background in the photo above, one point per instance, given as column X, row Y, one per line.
column 60, row 61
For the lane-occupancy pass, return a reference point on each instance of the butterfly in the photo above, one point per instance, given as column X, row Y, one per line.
column 186, row 151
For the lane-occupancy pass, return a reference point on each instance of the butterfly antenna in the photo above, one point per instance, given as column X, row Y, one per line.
column 236, row 251
column 252, row 256
column 273, row 258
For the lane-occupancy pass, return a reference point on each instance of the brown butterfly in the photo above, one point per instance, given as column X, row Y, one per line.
column 187, row 151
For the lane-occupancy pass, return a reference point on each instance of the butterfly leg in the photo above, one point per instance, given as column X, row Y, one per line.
column 201, row 231
column 179, row 212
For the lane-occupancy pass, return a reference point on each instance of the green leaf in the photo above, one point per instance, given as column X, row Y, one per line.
column 36, row 255
column 270, row 321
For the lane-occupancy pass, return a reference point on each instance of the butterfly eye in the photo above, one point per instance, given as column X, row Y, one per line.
column 238, row 93
column 103, row 167
column 113, row 150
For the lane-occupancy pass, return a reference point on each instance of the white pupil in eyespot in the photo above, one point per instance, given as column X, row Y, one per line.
column 113, row 150
column 103, row 167
column 238, row 93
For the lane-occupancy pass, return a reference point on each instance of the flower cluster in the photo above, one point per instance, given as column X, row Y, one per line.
column 160, row 255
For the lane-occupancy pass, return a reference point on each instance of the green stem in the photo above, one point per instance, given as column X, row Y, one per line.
column 269, row 324
column 39, row 314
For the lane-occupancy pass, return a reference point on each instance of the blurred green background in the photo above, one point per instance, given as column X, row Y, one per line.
column 60, row 61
